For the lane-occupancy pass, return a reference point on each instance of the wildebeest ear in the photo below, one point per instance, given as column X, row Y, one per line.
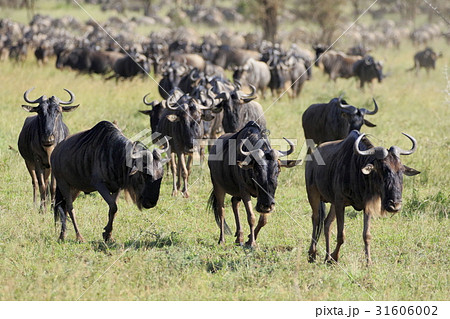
column 134, row 170
column 366, row 170
column 70, row 108
column 410, row 171
column 290, row 163
column 146, row 112
column 244, row 165
column 248, row 99
column 369, row 124
column 173, row 118
column 30, row 108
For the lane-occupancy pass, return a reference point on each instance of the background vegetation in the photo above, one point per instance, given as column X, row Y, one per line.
column 170, row 252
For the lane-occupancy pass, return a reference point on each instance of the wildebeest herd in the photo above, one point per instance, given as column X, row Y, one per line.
column 200, row 104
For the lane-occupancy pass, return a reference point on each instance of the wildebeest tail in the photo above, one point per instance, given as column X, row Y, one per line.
column 321, row 219
column 212, row 204
column 59, row 205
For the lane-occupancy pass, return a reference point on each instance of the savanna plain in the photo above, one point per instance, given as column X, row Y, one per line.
column 170, row 252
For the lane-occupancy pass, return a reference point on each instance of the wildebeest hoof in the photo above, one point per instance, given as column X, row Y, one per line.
column 185, row 194
column 80, row 239
column 311, row 258
column 107, row 237
column 174, row 193
column 61, row 238
column 250, row 244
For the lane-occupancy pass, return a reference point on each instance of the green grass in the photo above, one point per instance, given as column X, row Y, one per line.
column 170, row 252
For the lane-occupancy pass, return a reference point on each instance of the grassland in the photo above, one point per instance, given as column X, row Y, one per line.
column 170, row 251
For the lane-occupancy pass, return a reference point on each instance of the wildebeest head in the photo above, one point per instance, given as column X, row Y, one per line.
column 154, row 113
column 354, row 115
column 319, row 49
column 265, row 164
column 230, row 102
column 386, row 170
column 146, row 174
column 185, row 113
column 48, row 114
column 374, row 69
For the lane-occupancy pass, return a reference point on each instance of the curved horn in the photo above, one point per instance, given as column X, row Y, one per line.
column 25, row 97
column 72, row 98
column 192, row 75
column 379, row 152
column 145, row 101
column 253, row 88
column 413, row 148
column 370, row 151
column 291, row 149
column 348, row 108
column 165, row 149
column 365, row 111
column 245, row 153
column 170, row 102
column 238, row 84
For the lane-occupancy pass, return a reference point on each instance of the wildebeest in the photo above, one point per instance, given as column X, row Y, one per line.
column 367, row 69
column 39, row 136
column 102, row 159
column 181, row 120
column 226, row 56
column 130, row 66
column 334, row 120
column 87, row 60
column 238, row 108
column 244, row 165
column 253, row 72
column 354, row 174
column 425, row 59
column 173, row 71
column 335, row 64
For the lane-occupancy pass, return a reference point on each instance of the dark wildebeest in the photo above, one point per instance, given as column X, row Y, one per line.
column 244, row 165
column 333, row 120
column 130, row 66
column 238, row 108
column 102, row 159
column 39, row 136
column 87, row 60
column 425, row 59
column 256, row 73
column 173, row 71
column 181, row 120
column 367, row 69
column 354, row 174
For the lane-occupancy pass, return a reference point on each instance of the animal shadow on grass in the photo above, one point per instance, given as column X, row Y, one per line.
column 160, row 240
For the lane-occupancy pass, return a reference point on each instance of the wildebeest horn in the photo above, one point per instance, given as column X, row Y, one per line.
column 238, row 84
column 166, row 148
column 192, row 75
column 366, row 111
column 256, row 153
column 291, row 149
column 145, row 101
column 252, row 94
column 413, row 148
column 38, row 100
column 72, row 98
column 378, row 151
column 348, row 108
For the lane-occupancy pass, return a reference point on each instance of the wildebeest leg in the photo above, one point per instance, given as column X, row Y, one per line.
column 62, row 206
column 251, row 221
column 314, row 201
column 339, row 209
column 69, row 206
column 32, row 170
column 42, row 188
column 239, row 232
column 190, row 159
column 185, row 175
column 220, row 211
column 261, row 223
column 111, row 201
column 326, row 229
column 174, row 173
column 367, row 236
column 52, row 189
